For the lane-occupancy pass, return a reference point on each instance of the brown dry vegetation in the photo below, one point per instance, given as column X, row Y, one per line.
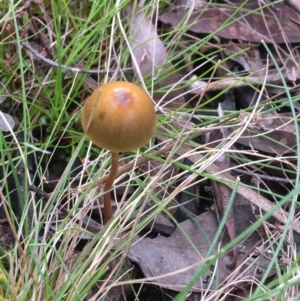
column 208, row 209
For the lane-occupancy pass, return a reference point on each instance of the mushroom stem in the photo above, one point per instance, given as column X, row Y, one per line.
column 107, row 186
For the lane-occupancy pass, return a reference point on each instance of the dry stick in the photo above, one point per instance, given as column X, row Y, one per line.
column 67, row 68
column 107, row 186
column 264, row 177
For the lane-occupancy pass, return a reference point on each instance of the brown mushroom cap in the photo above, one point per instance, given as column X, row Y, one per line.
column 119, row 116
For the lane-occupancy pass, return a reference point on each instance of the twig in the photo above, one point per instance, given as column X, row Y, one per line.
column 264, row 177
column 199, row 86
column 67, row 68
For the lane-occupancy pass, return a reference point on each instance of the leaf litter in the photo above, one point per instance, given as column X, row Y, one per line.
column 172, row 262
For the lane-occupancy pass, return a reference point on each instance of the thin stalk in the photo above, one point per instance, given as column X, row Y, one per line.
column 107, row 186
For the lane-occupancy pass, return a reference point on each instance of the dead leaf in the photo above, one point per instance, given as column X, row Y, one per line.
column 291, row 65
column 7, row 123
column 151, row 56
column 164, row 255
column 250, row 60
column 174, row 260
column 271, row 134
column 275, row 26
column 295, row 4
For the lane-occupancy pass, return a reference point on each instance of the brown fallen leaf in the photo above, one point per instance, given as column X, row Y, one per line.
column 271, row 134
column 171, row 262
column 294, row 4
column 250, row 23
column 162, row 255
column 151, row 56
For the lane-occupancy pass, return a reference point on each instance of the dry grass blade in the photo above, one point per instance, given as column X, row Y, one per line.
column 254, row 197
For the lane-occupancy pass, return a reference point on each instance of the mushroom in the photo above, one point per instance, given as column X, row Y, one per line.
column 120, row 117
